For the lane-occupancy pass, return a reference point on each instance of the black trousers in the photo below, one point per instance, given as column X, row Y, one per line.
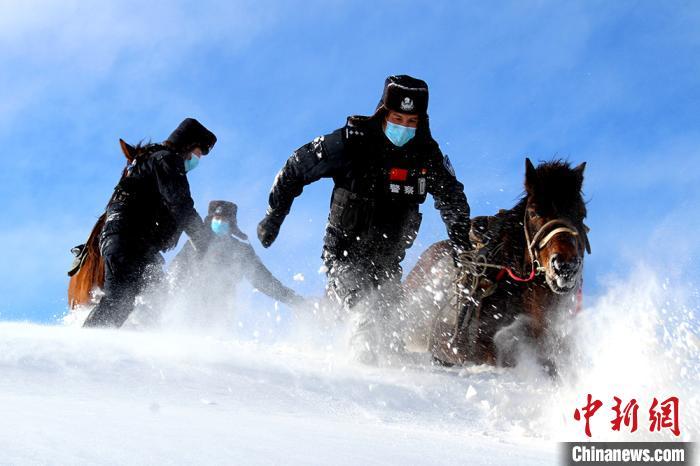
column 129, row 267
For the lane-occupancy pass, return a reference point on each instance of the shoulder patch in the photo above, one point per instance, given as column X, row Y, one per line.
column 448, row 165
column 352, row 132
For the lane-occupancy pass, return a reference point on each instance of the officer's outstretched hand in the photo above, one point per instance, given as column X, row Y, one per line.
column 297, row 302
column 268, row 229
column 460, row 253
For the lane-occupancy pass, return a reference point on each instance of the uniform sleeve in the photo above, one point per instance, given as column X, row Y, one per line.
column 181, row 264
column 321, row 158
column 448, row 194
column 175, row 191
column 263, row 280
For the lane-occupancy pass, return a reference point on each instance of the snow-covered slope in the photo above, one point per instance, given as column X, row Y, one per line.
column 71, row 396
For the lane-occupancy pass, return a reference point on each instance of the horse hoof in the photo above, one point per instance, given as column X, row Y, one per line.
column 439, row 362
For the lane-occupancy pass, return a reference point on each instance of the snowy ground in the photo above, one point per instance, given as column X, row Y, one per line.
column 71, row 396
column 121, row 398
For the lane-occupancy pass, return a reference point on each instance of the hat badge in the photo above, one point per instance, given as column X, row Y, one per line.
column 407, row 104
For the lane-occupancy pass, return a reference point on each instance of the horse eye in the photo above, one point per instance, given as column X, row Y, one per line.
column 532, row 214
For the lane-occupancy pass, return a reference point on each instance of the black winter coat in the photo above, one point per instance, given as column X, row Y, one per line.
column 211, row 278
column 152, row 204
column 378, row 188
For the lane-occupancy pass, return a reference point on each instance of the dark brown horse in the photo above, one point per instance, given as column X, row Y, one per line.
column 87, row 273
column 523, row 276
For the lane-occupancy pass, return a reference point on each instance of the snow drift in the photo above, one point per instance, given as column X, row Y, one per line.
column 69, row 395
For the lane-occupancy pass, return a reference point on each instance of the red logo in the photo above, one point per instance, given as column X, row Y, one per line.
column 666, row 417
column 662, row 415
column 398, row 174
column 626, row 416
column 588, row 411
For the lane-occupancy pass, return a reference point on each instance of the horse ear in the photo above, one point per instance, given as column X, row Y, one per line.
column 129, row 151
column 530, row 175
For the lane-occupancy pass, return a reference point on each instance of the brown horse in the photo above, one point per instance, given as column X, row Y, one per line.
column 88, row 270
column 523, row 276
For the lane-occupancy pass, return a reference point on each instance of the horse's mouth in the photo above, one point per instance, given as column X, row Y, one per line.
column 560, row 284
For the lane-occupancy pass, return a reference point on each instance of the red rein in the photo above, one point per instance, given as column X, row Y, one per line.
column 507, row 271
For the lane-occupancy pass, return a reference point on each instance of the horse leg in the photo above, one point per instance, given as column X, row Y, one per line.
column 440, row 346
column 554, row 347
column 509, row 341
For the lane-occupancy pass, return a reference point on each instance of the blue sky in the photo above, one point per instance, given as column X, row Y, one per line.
column 611, row 83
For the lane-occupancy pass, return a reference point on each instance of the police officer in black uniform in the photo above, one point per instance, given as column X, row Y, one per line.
column 150, row 208
column 383, row 166
column 208, row 281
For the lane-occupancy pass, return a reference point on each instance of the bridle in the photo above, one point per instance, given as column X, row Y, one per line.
column 538, row 242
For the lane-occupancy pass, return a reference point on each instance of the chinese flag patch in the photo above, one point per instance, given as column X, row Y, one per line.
column 398, row 174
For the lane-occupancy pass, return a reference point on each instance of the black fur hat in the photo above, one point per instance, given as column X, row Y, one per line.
column 405, row 94
column 228, row 211
column 192, row 133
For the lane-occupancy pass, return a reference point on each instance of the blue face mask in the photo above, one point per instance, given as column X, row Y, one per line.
column 399, row 135
column 220, row 227
column 191, row 163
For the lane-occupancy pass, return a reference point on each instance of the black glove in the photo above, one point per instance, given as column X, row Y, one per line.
column 268, row 229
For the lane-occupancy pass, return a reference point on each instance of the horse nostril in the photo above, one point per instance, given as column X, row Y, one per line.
column 565, row 268
column 556, row 263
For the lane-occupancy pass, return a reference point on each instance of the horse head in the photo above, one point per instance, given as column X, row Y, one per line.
column 555, row 234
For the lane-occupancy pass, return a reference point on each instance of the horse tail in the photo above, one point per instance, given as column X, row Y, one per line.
column 423, row 286
column 92, row 270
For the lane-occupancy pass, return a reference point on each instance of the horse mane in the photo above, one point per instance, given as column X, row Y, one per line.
column 556, row 184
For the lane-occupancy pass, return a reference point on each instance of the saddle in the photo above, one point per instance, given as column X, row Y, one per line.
column 473, row 283
column 80, row 253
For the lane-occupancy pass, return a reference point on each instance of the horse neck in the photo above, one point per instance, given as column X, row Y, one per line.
column 513, row 238
column 147, row 150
